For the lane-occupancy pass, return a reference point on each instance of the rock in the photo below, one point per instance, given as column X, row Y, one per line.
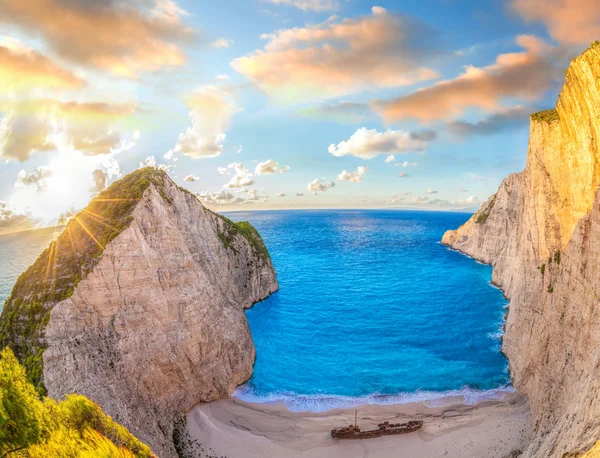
column 158, row 324
column 541, row 233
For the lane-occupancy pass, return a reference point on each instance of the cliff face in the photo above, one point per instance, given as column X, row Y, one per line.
column 157, row 323
column 541, row 232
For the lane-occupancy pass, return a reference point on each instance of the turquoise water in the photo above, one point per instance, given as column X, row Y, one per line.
column 372, row 308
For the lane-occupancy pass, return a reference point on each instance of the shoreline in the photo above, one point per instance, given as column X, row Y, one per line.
column 493, row 428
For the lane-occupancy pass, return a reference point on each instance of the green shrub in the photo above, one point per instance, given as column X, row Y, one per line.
column 546, row 116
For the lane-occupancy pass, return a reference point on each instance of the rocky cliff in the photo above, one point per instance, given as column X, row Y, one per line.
column 139, row 305
column 541, row 233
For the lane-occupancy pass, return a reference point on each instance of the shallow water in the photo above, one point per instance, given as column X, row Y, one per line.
column 372, row 308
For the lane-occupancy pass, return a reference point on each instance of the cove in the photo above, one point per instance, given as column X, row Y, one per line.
column 372, row 309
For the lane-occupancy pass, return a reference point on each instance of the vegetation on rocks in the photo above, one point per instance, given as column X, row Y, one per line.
column 34, row 427
column 546, row 116
column 484, row 213
column 57, row 271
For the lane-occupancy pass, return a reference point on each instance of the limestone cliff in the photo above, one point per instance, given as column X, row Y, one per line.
column 139, row 305
column 541, row 233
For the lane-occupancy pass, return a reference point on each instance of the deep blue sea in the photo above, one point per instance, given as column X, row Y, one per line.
column 371, row 309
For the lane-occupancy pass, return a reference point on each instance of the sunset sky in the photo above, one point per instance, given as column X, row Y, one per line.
column 276, row 103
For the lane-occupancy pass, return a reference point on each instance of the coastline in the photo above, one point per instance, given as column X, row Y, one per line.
column 492, row 428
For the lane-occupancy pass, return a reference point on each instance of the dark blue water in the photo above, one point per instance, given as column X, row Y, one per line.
column 371, row 308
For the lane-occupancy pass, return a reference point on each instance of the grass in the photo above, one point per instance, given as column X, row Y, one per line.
column 546, row 116
column 53, row 277
column 484, row 214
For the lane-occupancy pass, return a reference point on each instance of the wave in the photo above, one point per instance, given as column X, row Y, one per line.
column 323, row 403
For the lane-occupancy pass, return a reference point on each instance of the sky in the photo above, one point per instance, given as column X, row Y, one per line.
column 268, row 104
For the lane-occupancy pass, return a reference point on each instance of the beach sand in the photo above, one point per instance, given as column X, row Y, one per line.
column 237, row 429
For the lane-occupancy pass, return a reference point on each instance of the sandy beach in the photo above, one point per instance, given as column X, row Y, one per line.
column 488, row 429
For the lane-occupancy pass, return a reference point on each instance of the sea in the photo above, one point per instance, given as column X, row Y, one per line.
column 371, row 309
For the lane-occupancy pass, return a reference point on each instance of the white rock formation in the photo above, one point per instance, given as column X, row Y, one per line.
column 159, row 325
column 541, row 232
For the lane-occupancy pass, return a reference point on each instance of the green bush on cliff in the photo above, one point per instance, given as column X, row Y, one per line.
column 57, row 271
column 546, row 116
column 31, row 427
column 484, row 214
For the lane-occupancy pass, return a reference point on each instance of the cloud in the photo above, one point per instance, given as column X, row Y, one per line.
column 367, row 144
column 242, row 177
column 353, row 177
column 428, row 202
column 150, row 161
column 309, row 5
column 191, row 178
column 12, row 221
column 403, row 175
column 39, row 125
column 319, row 186
column 347, row 112
column 501, row 121
column 223, row 170
column 220, row 198
column 123, row 38
column 390, row 158
column 211, row 110
column 339, row 57
column 100, row 178
column 431, row 191
column 406, row 164
column 225, row 198
column 281, row 194
column 22, row 68
column 269, row 167
column 222, row 43
column 37, row 177
column 568, row 21
column 299, row 194
column 525, row 75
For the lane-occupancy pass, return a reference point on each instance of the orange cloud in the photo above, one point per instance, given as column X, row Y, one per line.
column 40, row 125
column 108, row 35
column 336, row 58
column 524, row 75
column 22, row 68
column 568, row 21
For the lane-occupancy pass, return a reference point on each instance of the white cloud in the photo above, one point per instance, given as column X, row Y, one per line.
column 223, row 170
column 269, row 167
column 222, row 43
column 319, row 186
column 431, row 191
column 428, row 202
column 281, row 194
column 211, row 110
column 242, row 177
column 150, row 161
column 222, row 77
column 403, row 175
column 13, row 221
column 191, row 178
column 368, row 143
column 390, row 158
column 309, row 5
column 354, row 177
column 37, row 177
